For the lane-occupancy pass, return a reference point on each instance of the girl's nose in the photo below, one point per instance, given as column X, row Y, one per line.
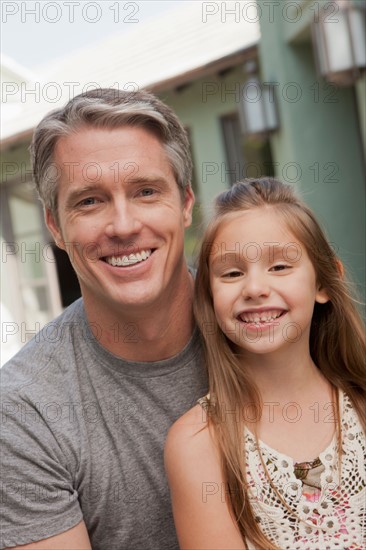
column 255, row 285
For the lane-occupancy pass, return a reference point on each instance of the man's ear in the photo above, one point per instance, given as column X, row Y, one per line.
column 322, row 296
column 188, row 206
column 54, row 228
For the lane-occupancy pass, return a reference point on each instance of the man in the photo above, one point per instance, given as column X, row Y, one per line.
column 88, row 402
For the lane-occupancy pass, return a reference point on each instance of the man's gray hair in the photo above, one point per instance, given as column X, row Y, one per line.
column 107, row 108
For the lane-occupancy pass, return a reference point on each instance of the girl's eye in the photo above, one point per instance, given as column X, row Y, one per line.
column 232, row 274
column 279, row 267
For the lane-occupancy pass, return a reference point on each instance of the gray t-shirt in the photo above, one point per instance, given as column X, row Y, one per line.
column 83, row 434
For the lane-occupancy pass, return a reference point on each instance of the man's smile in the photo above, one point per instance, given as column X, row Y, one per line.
column 131, row 259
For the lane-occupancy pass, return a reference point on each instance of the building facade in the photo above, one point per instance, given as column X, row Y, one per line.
column 317, row 143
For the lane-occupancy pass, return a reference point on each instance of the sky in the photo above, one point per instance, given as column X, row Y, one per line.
column 34, row 33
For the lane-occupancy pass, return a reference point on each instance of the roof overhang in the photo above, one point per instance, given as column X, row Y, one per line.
column 214, row 67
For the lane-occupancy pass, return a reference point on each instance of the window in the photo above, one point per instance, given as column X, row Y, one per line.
column 30, row 293
column 246, row 157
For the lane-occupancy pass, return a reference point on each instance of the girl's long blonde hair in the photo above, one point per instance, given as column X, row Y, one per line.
column 337, row 340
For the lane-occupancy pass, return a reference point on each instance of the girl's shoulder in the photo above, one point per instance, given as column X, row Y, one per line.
column 193, row 422
column 190, row 441
column 191, row 428
column 199, row 497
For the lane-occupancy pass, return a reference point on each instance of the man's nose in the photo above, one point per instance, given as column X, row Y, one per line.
column 255, row 284
column 123, row 220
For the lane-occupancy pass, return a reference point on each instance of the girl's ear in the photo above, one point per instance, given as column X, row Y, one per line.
column 321, row 296
column 340, row 267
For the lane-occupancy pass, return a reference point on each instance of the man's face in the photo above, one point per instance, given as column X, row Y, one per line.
column 121, row 216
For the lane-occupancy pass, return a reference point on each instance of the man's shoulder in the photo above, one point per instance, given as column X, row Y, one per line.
column 46, row 351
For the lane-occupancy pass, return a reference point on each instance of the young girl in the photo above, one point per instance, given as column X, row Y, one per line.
column 274, row 457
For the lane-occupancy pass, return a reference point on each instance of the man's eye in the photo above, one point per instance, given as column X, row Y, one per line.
column 88, row 201
column 147, row 192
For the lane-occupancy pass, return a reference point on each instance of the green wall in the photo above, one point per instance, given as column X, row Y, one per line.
column 200, row 106
column 320, row 134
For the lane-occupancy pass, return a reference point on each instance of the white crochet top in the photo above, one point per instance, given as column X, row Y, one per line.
column 331, row 518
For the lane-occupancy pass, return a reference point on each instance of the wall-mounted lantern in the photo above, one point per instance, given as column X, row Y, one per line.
column 257, row 108
column 339, row 36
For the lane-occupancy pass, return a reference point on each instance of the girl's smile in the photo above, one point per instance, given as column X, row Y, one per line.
column 261, row 317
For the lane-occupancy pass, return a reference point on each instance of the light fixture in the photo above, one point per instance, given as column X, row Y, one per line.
column 339, row 35
column 257, row 109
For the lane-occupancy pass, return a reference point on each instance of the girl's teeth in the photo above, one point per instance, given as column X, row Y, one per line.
column 264, row 318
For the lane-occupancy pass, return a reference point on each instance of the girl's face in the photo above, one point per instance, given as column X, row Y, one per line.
column 263, row 283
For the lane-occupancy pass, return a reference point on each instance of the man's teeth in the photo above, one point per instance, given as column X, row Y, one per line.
column 264, row 317
column 123, row 261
